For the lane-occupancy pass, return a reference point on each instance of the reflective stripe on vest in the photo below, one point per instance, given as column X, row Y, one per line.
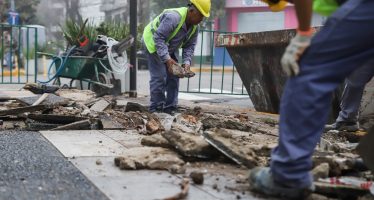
column 153, row 25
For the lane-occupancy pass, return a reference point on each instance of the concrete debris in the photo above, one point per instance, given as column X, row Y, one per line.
column 192, row 135
column 156, row 140
column 197, row 177
column 98, row 162
column 166, row 120
column 55, row 119
column 177, row 169
column 80, row 125
column 321, row 171
column 214, row 121
column 156, row 158
column 185, row 185
column 134, row 107
column 17, row 111
column 130, row 120
column 76, row 95
column 41, row 99
column 51, row 99
column 231, row 143
column 100, row 106
column 339, row 163
column 188, row 143
column 40, row 88
column 13, row 94
column 153, row 126
column 40, row 126
column 190, row 121
column 109, row 124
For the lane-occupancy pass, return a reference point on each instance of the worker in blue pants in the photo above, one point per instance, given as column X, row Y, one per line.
column 351, row 99
column 317, row 67
column 173, row 29
column 161, row 82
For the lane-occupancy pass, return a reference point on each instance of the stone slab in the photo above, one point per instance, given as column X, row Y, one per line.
column 84, row 143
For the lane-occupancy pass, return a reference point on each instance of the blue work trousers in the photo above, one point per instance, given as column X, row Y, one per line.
column 353, row 91
column 162, row 81
column 343, row 45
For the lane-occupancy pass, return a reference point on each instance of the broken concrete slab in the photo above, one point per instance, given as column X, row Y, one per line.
column 76, row 95
column 40, row 99
column 148, row 158
column 40, row 126
column 55, row 119
column 127, row 138
column 100, row 106
column 84, row 143
column 188, row 143
column 17, row 111
column 134, row 107
column 189, row 121
column 321, row 171
column 165, row 119
column 40, row 88
column 79, row 125
column 15, row 94
column 338, row 163
column 242, row 147
column 212, row 121
column 156, row 140
column 50, row 100
column 153, row 126
column 130, row 120
column 110, row 124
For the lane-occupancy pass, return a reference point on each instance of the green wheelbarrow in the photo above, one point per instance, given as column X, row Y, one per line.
column 95, row 71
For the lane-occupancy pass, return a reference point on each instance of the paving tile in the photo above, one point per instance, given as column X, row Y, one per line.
column 83, row 143
column 128, row 138
column 133, row 185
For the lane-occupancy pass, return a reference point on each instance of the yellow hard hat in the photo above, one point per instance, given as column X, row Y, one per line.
column 203, row 6
column 276, row 7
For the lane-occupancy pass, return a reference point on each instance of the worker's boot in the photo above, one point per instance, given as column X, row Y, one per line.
column 261, row 180
column 342, row 126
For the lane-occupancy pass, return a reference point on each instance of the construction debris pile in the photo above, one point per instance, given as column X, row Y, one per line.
column 170, row 142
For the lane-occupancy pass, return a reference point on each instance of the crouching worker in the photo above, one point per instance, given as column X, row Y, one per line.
column 173, row 29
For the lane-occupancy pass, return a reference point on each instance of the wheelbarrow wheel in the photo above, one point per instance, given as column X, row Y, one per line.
column 98, row 89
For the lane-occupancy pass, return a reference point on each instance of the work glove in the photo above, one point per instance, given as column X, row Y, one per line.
column 187, row 71
column 293, row 52
column 174, row 68
column 169, row 64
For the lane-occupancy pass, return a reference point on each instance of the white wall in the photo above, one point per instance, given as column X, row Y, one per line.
column 91, row 9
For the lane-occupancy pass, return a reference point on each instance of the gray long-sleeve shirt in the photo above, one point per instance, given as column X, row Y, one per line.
column 168, row 23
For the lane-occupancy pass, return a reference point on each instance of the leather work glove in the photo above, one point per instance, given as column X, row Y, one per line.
column 293, row 52
column 169, row 64
column 187, row 71
column 174, row 68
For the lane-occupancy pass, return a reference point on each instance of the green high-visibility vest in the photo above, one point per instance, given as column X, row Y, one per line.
column 326, row 7
column 153, row 25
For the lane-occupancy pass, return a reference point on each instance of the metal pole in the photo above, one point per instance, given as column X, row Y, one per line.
column 12, row 5
column 133, row 32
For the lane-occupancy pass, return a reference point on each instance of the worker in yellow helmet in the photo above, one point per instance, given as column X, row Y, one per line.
column 173, row 29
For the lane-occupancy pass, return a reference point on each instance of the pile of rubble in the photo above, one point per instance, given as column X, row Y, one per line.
column 170, row 142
